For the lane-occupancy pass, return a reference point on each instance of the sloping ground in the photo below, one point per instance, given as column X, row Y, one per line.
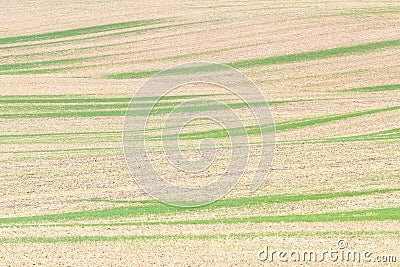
column 329, row 69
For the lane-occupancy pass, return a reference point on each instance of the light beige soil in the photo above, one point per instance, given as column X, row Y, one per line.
column 37, row 182
column 187, row 252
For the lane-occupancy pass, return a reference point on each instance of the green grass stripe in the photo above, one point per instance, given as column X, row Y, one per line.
column 131, row 75
column 44, row 71
column 167, row 72
column 75, row 107
column 61, row 52
column 381, row 135
column 18, row 68
column 253, row 235
column 274, row 199
column 291, row 58
column 48, row 96
column 315, row 121
column 284, row 126
column 124, row 105
column 82, row 138
column 88, row 149
column 239, row 64
column 81, row 114
column 156, row 208
column 217, row 133
column 68, row 107
column 56, row 135
column 81, row 31
column 38, row 64
column 378, row 215
column 320, row 54
column 64, row 99
column 138, row 31
column 121, row 110
column 379, row 88
column 385, row 214
column 159, row 108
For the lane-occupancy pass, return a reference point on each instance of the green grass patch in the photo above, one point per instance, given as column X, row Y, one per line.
column 382, row 135
column 140, row 109
column 16, row 67
column 65, row 99
column 43, row 71
column 314, row 55
column 81, row 31
column 138, row 31
column 55, row 135
column 131, row 75
column 291, row 58
column 72, row 114
column 255, row 130
column 315, row 121
column 82, row 138
column 124, row 238
column 88, row 149
column 379, row 88
column 167, row 72
column 156, row 208
column 76, row 107
column 68, row 107
column 385, row 214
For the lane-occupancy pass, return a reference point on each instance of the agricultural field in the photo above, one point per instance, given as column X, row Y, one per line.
column 330, row 71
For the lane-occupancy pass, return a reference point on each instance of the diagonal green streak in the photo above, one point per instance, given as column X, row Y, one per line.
column 291, row 58
column 155, row 208
column 80, row 31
